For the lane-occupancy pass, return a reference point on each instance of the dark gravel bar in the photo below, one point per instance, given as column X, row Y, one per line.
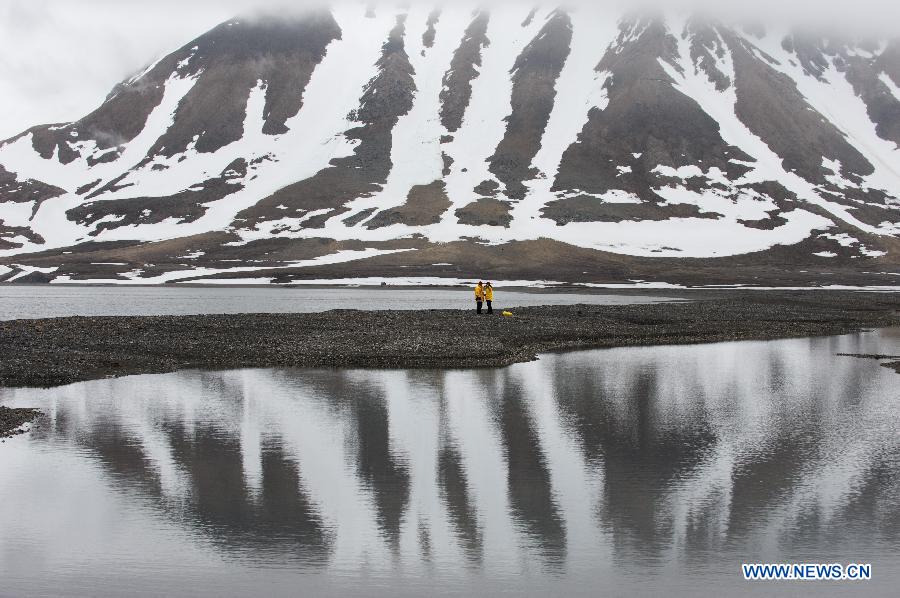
column 59, row 351
column 12, row 420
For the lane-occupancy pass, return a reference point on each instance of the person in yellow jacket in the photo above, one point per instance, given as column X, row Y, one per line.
column 489, row 297
column 479, row 296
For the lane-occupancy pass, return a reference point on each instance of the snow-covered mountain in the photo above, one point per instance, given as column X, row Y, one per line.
column 513, row 143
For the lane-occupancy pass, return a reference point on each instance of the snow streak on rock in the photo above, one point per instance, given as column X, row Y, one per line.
column 534, row 89
column 457, row 89
column 868, row 180
column 385, row 98
column 415, row 150
column 483, row 124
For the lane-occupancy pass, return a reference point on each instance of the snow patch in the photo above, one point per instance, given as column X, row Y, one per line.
column 748, row 205
column 886, row 79
column 871, row 252
column 16, row 214
column 682, row 172
column 618, row 196
column 843, row 239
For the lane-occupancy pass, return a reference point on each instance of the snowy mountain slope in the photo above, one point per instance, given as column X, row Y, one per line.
column 653, row 146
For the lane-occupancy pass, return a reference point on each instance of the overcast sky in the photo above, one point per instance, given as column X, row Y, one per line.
column 59, row 58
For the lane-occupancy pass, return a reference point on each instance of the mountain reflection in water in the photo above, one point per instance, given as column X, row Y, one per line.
column 647, row 469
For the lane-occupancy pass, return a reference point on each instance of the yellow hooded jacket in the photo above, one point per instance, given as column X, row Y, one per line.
column 488, row 293
column 479, row 292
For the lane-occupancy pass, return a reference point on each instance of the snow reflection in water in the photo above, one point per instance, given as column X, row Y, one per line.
column 633, row 470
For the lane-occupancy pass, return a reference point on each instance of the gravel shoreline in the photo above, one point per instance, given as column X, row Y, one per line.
column 52, row 352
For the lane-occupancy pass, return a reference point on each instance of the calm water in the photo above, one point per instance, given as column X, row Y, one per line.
column 45, row 301
column 638, row 471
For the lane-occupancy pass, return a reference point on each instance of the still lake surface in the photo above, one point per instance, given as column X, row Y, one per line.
column 633, row 471
column 46, row 301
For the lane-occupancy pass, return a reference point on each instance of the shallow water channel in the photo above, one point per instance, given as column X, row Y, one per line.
column 46, row 301
column 633, row 471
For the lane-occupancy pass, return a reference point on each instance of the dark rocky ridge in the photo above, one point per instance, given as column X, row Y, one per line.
column 65, row 350
column 529, row 18
column 705, row 49
column 428, row 37
column 281, row 50
column 424, row 205
column 28, row 190
column 457, row 87
column 541, row 259
column 185, row 206
column 534, row 76
column 889, row 61
column 485, row 210
column 117, row 121
column 882, row 106
column 545, row 259
column 584, row 208
column 816, row 54
column 772, row 108
column 10, row 232
column 646, row 123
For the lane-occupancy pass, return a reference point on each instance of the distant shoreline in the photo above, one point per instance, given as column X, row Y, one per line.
column 574, row 289
column 53, row 352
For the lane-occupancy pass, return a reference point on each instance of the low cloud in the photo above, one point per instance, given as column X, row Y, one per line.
column 59, row 58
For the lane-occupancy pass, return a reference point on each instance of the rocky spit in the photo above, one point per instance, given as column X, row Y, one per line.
column 12, row 420
column 52, row 352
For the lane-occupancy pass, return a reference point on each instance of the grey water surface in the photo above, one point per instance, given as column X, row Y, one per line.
column 635, row 471
column 46, row 301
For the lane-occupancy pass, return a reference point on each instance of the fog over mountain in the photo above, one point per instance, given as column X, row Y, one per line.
column 43, row 81
column 589, row 143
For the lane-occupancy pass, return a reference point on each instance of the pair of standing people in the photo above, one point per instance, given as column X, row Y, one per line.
column 484, row 293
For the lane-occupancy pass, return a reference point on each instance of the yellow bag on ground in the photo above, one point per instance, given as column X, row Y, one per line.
column 507, row 313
